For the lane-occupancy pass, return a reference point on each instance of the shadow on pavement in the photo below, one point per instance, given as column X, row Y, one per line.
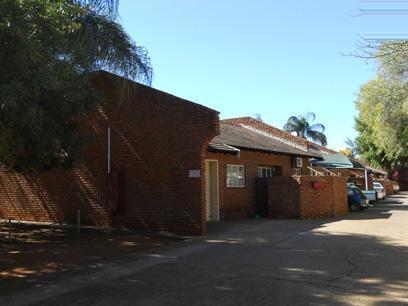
column 35, row 254
column 307, row 268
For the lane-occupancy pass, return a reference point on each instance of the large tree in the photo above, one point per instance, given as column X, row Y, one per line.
column 392, row 56
column 303, row 127
column 48, row 48
column 382, row 103
column 382, row 122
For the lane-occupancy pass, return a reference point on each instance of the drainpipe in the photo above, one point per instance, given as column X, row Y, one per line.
column 109, row 150
column 366, row 179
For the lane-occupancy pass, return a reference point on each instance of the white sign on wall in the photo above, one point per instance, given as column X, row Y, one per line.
column 194, row 173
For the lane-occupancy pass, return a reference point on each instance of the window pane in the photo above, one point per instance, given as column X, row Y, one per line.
column 235, row 176
column 264, row 172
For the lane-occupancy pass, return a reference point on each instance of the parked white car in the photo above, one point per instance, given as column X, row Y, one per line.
column 379, row 188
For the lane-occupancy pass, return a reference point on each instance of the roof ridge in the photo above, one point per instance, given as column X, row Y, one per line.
column 292, row 137
column 251, row 119
column 241, row 137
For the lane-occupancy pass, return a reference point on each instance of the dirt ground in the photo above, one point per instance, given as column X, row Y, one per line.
column 37, row 254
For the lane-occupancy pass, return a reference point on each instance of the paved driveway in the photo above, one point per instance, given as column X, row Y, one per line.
column 361, row 259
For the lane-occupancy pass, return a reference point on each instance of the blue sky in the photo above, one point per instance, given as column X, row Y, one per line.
column 275, row 58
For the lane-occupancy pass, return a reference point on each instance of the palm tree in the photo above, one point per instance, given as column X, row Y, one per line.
column 301, row 125
column 100, row 42
column 352, row 146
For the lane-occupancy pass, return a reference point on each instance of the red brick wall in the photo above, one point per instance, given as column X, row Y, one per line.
column 241, row 202
column 56, row 196
column 328, row 201
column 283, row 197
column 340, row 197
column 295, row 197
column 156, row 139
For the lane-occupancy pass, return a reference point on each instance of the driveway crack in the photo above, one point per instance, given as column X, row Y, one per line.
column 349, row 273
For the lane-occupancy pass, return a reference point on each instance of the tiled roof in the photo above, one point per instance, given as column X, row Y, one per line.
column 260, row 126
column 300, row 143
column 280, row 135
column 242, row 138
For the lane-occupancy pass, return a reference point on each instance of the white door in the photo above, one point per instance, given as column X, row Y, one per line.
column 211, row 190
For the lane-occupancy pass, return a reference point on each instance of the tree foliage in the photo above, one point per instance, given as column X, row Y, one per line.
column 351, row 149
column 392, row 56
column 382, row 122
column 347, row 152
column 303, row 127
column 47, row 50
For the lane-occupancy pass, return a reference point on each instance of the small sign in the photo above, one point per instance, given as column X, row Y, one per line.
column 194, row 173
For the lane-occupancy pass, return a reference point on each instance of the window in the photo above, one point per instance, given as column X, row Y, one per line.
column 264, row 172
column 297, row 171
column 235, row 176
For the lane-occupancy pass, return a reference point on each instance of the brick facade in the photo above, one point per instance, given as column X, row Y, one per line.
column 296, row 197
column 241, row 202
column 156, row 139
column 328, row 201
column 283, row 197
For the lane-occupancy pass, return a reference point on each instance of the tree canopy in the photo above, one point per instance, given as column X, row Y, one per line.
column 382, row 103
column 47, row 50
column 303, row 127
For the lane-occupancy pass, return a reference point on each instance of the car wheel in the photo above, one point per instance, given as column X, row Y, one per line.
column 355, row 207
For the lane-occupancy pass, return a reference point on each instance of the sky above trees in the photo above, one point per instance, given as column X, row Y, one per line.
column 276, row 58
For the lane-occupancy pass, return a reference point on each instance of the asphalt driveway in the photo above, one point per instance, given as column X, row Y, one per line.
column 361, row 259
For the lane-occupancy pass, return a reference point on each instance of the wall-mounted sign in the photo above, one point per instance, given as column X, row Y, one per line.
column 194, row 173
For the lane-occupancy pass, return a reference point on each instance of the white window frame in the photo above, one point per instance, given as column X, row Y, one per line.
column 264, row 170
column 233, row 172
column 297, row 171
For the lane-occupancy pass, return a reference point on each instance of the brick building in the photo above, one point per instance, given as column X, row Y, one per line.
column 156, row 161
column 158, row 143
column 256, row 173
column 235, row 159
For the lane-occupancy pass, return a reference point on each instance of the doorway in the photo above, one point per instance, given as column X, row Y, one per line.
column 212, row 191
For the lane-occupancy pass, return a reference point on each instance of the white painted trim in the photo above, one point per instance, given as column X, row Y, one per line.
column 293, row 144
column 232, row 148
